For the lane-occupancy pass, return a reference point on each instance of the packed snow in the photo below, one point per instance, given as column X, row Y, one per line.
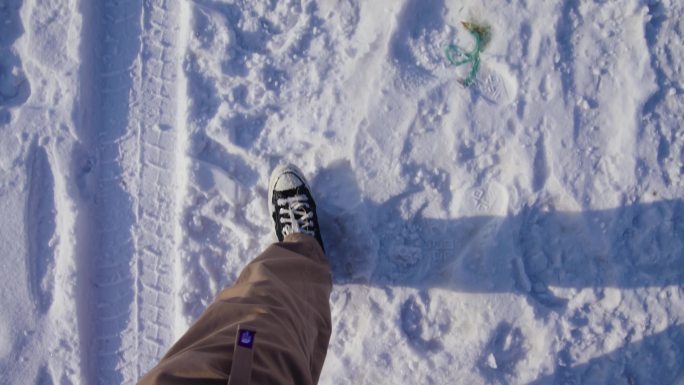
column 525, row 229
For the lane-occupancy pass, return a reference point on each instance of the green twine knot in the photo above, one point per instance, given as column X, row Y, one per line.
column 458, row 56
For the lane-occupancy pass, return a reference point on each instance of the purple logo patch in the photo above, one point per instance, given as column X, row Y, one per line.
column 246, row 338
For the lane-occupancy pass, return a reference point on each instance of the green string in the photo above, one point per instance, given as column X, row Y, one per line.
column 452, row 52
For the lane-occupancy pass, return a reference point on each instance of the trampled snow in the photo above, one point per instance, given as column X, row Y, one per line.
column 528, row 229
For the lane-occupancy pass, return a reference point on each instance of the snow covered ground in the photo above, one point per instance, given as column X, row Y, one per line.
column 528, row 229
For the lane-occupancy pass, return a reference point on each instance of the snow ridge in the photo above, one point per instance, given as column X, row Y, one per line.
column 41, row 227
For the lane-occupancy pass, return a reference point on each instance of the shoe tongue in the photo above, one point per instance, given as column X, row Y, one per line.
column 288, row 182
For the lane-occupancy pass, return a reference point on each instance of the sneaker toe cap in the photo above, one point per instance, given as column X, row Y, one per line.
column 288, row 181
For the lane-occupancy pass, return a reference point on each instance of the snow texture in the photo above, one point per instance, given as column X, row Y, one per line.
column 528, row 229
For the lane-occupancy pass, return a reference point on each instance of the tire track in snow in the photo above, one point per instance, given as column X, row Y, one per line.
column 134, row 132
column 156, row 208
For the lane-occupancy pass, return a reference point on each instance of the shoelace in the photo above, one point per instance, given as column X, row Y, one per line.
column 299, row 218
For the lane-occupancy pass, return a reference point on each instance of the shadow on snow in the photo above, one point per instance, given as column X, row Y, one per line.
column 532, row 252
column 656, row 359
column 641, row 245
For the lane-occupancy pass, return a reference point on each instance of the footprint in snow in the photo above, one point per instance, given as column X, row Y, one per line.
column 496, row 84
column 422, row 332
column 506, row 348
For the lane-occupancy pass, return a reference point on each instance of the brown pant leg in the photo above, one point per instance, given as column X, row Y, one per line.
column 283, row 295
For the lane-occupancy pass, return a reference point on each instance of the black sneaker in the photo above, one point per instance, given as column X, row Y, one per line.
column 291, row 205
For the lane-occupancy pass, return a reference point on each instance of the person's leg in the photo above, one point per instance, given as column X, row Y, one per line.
column 282, row 295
